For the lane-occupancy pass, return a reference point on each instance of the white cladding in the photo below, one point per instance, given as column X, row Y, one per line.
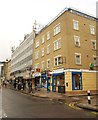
column 23, row 54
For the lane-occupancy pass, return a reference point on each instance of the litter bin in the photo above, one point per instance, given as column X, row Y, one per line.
column 61, row 89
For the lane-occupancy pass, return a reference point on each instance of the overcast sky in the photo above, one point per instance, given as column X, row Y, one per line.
column 18, row 16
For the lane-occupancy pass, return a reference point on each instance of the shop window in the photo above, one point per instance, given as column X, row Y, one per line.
column 76, row 81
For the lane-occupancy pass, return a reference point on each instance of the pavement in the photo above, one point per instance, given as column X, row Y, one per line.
column 80, row 100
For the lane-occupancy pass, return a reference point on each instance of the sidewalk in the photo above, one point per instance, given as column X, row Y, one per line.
column 82, row 101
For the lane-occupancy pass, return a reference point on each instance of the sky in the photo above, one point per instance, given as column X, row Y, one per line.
column 17, row 18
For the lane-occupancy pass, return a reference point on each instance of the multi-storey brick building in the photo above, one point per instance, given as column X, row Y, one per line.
column 67, row 42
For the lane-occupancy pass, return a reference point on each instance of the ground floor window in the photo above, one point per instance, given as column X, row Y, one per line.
column 76, row 81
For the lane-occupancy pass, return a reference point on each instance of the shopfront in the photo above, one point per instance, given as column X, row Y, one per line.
column 58, row 82
column 45, row 81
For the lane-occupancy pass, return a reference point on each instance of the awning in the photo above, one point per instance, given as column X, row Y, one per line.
column 57, row 74
column 36, row 75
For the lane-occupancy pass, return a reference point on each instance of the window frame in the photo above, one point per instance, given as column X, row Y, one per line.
column 48, row 35
column 77, row 39
column 92, row 29
column 43, row 64
column 75, row 27
column 94, row 41
column 77, row 54
column 48, row 49
column 56, row 57
column 37, row 44
column 57, row 29
column 57, row 44
column 48, row 65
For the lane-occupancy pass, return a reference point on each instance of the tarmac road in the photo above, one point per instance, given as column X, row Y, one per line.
column 19, row 105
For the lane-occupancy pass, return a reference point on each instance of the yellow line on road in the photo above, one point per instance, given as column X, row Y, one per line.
column 96, row 113
column 73, row 106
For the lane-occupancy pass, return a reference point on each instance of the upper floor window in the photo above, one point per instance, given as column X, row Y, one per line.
column 48, row 63
column 43, row 39
column 48, row 49
column 92, row 29
column 95, row 60
column 48, row 35
column 93, row 44
column 57, row 29
column 77, row 58
column 57, row 44
column 42, row 51
column 77, row 41
column 43, row 64
column 37, row 65
column 37, row 55
column 37, row 43
column 75, row 24
column 57, row 61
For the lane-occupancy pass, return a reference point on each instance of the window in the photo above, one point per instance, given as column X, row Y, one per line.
column 37, row 44
column 78, row 58
column 95, row 60
column 57, row 29
column 93, row 44
column 37, row 65
column 48, row 49
column 77, row 41
column 42, row 51
column 42, row 64
column 57, row 61
column 92, row 29
column 75, row 25
column 43, row 39
column 37, row 55
column 48, row 63
column 48, row 35
column 57, row 44
column 77, row 81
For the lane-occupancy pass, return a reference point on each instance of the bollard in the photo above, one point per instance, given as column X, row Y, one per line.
column 89, row 100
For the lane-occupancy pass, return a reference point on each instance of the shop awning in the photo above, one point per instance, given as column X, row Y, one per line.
column 57, row 74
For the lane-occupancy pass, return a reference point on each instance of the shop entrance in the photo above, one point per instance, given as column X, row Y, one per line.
column 58, row 82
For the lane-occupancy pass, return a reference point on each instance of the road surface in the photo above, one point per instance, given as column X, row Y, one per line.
column 19, row 105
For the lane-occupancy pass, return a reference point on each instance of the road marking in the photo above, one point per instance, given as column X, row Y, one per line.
column 96, row 113
column 73, row 106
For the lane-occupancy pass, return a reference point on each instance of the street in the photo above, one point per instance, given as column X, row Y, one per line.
column 19, row 105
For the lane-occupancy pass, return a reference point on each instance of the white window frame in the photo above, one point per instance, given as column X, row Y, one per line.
column 48, row 35
column 48, row 49
column 92, row 30
column 43, row 39
column 94, row 47
column 57, row 44
column 95, row 62
column 75, row 24
column 77, row 54
column 37, row 44
column 48, row 64
column 57, row 29
column 43, row 64
column 37, row 65
column 36, row 54
column 77, row 40
column 42, row 51
column 57, row 60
